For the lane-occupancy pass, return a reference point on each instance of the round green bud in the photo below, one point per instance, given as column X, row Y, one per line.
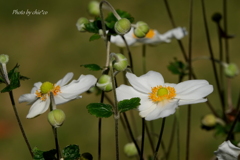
column 231, row 70
column 141, row 29
column 130, row 150
column 120, row 63
column 56, row 117
column 86, row 156
column 93, row 8
column 4, row 58
column 46, row 87
column 81, row 24
column 122, row 26
column 105, row 83
column 209, row 120
column 216, row 17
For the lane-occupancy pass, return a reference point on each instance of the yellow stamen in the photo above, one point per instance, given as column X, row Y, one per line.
column 43, row 96
column 150, row 34
column 160, row 93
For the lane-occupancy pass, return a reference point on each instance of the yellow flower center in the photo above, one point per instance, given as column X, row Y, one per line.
column 45, row 90
column 150, row 34
column 160, row 93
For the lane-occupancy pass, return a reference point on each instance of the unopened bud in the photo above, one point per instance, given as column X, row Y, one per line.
column 141, row 29
column 209, row 120
column 216, row 17
column 122, row 26
column 4, row 59
column 86, row 156
column 231, row 70
column 120, row 63
column 56, row 117
column 81, row 24
column 93, row 8
column 130, row 150
column 105, row 83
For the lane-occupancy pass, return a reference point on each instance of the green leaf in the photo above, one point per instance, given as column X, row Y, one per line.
column 94, row 37
column 178, row 67
column 128, row 104
column 92, row 67
column 71, row 152
column 100, row 110
column 86, row 156
column 44, row 155
column 93, row 27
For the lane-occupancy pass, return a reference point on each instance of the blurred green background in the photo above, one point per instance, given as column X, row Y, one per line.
column 48, row 46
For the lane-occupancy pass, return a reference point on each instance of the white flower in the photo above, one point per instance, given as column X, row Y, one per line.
column 159, row 99
column 63, row 92
column 227, row 151
column 153, row 37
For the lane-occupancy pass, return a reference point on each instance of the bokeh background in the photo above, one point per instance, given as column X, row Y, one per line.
column 48, row 46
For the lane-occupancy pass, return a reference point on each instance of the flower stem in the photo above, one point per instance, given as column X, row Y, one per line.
column 129, row 53
column 226, row 30
column 188, row 131
column 143, row 136
column 100, row 129
column 20, row 123
column 159, row 139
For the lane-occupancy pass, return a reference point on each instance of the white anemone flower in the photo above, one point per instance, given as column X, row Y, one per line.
column 63, row 92
column 153, row 37
column 227, row 151
column 159, row 99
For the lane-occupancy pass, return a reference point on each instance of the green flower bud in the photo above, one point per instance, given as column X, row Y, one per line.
column 231, row 70
column 81, row 24
column 86, row 156
column 130, row 150
column 141, row 29
column 56, row 117
column 93, row 8
column 122, row 26
column 216, row 17
column 120, row 63
column 209, row 120
column 105, row 83
column 4, row 58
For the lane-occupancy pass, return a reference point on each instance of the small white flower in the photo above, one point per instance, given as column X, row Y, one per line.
column 159, row 99
column 153, row 37
column 63, row 92
column 227, row 151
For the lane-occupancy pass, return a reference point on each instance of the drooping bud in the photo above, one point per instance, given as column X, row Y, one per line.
column 93, row 8
column 141, row 29
column 209, row 120
column 56, row 117
column 231, row 70
column 105, row 83
column 46, row 87
column 122, row 26
column 130, row 149
column 216, row 17
column 86, row 156
column 4, row 59
column 81, row 24
column 120, row 63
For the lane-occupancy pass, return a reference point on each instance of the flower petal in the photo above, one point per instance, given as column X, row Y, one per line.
column 127, row 92
column 191, row 101
column 146, row 81
column 76, row 87
column 193, row 89
column 30, row 98
column 38, row 107
column 65, row 79
column 36, row 87
column 227, row 151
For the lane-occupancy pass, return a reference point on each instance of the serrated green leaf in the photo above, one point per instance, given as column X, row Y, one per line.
column 94, row 37
column 100, row 110
column 71, row 152
column 92, row 67
column 44, row 155
column 128, row 104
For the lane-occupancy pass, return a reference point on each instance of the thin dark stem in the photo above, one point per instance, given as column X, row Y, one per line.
column 230, row 134
column 116, row 138
column 129, row 53
column 212, row 59
column 171, row 138
column 99, row 137
column 159, row 139
column 144, row 59
column 149, row 137
column 19, row 122
column 56, row 142
column 143, row 137
column 188, row 131
column 225, row 30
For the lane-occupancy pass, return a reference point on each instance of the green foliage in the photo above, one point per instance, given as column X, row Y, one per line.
column 100, row 110
column 86, row 156
column 44, row 155
column 94, row 37
column 128, row 104
column 14, row 77
column 71, row 152
column 92, row 67
column 178, row 67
